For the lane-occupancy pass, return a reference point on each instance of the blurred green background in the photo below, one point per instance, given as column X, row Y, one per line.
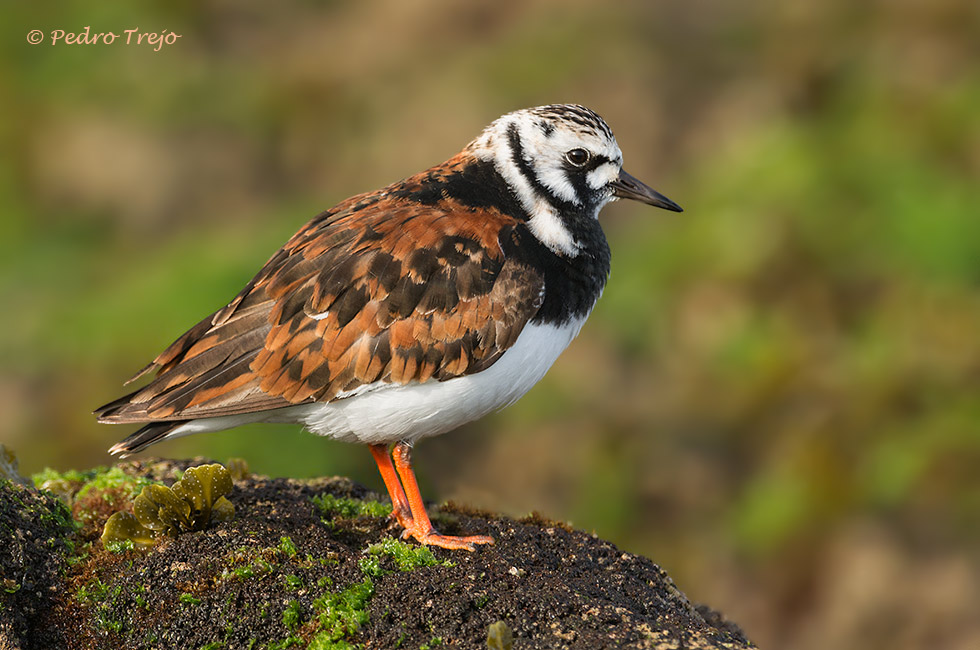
column 776, row 398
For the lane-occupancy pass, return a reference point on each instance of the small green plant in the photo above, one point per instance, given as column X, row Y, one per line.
column 341, row 615
column 120, row 547
column 331, row 506
column 102, row 597
column 188, row 599
column 287, row 546
column 73, row 485
column 407, row 557
column 194, row 501
column 292, row 615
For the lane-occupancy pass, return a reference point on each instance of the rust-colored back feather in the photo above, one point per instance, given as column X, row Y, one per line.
column 380, row 288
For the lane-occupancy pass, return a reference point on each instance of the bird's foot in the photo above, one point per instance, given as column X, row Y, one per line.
column 432, row 538
column 402, row 516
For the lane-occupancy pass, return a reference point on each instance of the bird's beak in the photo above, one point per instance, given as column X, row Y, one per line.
column 627, row 187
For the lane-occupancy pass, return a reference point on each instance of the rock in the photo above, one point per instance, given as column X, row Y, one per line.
column 36, row 540
column 8, row 467
column 296, row 568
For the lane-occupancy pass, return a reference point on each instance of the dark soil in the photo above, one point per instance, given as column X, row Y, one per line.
column 240, row 584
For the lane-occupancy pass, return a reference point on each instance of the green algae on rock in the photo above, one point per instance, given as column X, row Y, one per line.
column 204, row 489
column 499, row 636
column 238, row 468
column 189, row 505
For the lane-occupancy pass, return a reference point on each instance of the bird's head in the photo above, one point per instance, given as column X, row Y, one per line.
column 562, row 162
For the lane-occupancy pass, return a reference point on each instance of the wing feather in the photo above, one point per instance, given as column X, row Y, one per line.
column 378, row 289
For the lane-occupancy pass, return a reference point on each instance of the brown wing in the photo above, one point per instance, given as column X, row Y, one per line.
column 379, row 289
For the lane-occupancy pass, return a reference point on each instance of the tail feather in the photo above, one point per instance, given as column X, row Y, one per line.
column 150, row 434
column 106, row 411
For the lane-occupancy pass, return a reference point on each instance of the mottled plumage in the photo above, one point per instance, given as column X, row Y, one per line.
column 352, row 326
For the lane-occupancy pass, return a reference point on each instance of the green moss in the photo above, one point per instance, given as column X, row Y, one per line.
column 244, row 563
column 102, row 597
column 370, row 566
column 243, row 573
column 407, row 557
column 332, row 506
column 48, row 475
column 139, row 592
column 324, row 642
column 340, row 615
column 113, row 478
column 433, row 642
column 59, row 515
column 293, row 582
column 292, row 615
column 287, row 546
column 73, row 485
column 188, row 599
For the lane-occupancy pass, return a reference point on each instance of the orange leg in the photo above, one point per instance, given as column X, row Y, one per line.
column 400, row 510
column 421, row 528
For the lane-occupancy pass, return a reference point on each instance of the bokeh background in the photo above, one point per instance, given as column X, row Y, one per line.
column 777, row 397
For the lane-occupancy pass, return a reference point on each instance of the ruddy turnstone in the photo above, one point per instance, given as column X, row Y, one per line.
column 406, row 312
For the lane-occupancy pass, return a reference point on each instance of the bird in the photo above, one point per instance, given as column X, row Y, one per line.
column 406, row 312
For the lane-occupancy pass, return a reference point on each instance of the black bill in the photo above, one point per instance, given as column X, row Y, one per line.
column 628, row 187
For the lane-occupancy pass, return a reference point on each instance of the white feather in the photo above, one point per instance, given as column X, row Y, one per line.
column 602, row 175
column 550, row 231
column 387, row 413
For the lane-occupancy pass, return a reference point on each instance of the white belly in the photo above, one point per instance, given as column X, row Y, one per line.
column 384, row 413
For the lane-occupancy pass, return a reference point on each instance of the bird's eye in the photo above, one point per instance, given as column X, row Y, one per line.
column 577, row 157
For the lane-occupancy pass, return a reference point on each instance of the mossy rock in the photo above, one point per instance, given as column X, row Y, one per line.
column 290, row 573
column 37, row 538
